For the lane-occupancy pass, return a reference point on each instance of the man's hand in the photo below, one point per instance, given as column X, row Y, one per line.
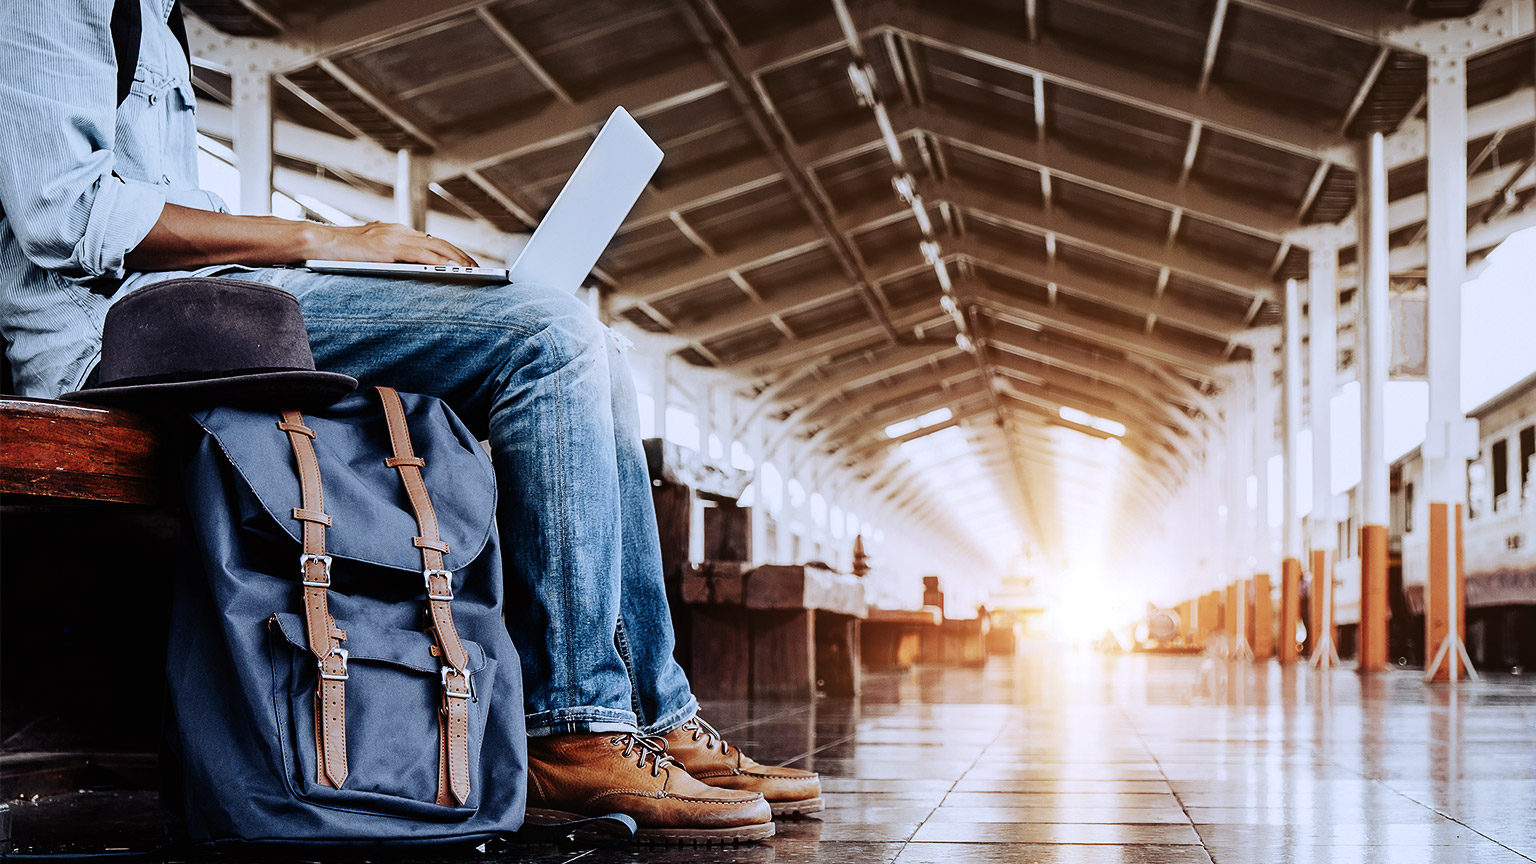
column 386, row 241
column 185, row 238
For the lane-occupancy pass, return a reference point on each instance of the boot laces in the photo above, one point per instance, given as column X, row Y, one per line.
column 644, row 749
column 708, row 733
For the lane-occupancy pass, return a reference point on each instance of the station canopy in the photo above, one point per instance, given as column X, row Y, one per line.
column 1027, row 221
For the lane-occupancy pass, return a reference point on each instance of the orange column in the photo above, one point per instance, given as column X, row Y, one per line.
column 1322, row 581
column 1437, row 619
column 1205, row 617
column 1186, row 615
column 1372, row 638
column 1238, row 616
column 1219, row 603
column 1263, row 619
column 1290, row 609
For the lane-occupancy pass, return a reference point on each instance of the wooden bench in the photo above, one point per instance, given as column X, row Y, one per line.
column 78, row 457
column 893, row 638
column 63, row 451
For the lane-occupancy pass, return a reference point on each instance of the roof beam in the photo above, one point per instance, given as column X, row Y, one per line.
column 769, row 127
column 770, row 247
column 1053, row 399
column 361, row 158
column 1081, row 71
column 560, row 122
column 1128, row 378
column 869, row 433
column 1046, row 156
column 803, row 296
column 372, row 24
column 1408, row 143
column 377, row 102
column 1087, row 287
column 655, row 284
column 1009, row 308
column 1362, row 21
column 897, row 361
column 919, row 356
column 921, row 313
column 1415, row 208
column 1150, row 253
column 1212, row 44
column 1365, row 88
column 1109, row 403
column 882, row 408
column 524, row 56
column 1068, row 163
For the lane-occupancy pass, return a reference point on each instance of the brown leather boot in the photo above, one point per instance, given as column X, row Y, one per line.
column 577, row 776
column 707, row 757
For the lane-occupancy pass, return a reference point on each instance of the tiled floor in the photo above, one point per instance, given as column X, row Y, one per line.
column 1056, row 756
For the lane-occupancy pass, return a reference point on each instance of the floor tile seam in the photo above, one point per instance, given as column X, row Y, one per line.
column 814, row 750
column 924, row 821
column 727, row 730
column 1431, row 808
column 1131, row 724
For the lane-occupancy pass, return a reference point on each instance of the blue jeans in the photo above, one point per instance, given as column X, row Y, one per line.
column 532, row 370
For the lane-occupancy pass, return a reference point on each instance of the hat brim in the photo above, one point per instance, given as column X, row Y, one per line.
column 299, row 388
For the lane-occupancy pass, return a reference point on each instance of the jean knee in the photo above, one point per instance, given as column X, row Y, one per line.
column 565, row 327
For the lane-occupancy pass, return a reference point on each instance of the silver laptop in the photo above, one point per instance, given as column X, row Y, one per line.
column 578, row 227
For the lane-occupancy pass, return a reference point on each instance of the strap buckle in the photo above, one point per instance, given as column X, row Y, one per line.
column 426, row 578
column 304, row 561
column 469, row 687
column 336, row 651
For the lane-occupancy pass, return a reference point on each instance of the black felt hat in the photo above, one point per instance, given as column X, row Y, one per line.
column 192, row 343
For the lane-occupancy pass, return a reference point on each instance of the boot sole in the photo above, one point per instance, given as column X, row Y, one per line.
column 668, row 836
column 796, row 808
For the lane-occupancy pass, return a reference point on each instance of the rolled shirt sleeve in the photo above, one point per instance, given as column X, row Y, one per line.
column 70, row 210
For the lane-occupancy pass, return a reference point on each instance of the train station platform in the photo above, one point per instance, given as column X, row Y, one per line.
column 1107, row 316
column 1061, row 756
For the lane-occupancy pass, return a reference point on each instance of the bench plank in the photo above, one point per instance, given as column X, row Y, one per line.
column 78, row 452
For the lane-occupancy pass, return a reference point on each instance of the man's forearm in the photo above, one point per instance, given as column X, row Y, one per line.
column 186, row 238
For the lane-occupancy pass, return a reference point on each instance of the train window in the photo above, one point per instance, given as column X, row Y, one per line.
column 1477, row 489
column 1527, row 460
column 1500, row 457
column 1408, row 508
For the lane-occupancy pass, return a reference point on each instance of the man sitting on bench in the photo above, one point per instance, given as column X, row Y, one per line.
column 101, row 198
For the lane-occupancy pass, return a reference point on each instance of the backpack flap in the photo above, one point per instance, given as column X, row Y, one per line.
column 371, row 512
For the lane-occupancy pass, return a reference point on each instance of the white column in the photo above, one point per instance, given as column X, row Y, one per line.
column 761, row 554
column 1447, row 267
column 253, row 140
column 410, row 191
column 1323, row 357
column 661, row 393
column 1263, row 448
column 1322, row 367
column 1374, row 352
column 1240, row 518
column 1290, row 526
column 1447, row 442
column 705, row 409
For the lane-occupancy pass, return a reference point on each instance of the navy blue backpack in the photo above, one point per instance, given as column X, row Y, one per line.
column 339, row 671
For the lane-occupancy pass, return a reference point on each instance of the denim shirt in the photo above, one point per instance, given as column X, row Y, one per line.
column 82, row 179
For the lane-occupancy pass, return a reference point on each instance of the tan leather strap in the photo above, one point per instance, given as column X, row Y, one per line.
column 453, row 717
column 324, row 638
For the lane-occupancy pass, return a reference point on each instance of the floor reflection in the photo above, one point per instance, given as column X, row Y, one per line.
column 1055, row 756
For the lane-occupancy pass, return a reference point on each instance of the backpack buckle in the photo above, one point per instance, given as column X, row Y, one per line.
column 469, row 689
column 426, row 578
column 304, row 561
column 336, row 651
